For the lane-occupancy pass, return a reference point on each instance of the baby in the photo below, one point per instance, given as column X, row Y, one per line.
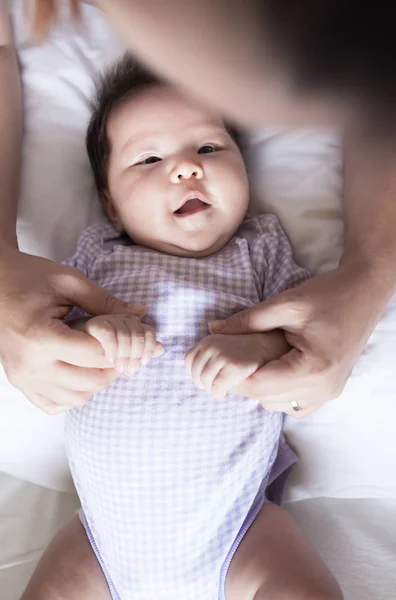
column 174, row 467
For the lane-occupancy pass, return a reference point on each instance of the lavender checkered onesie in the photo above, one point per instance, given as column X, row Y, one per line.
column 170, row 479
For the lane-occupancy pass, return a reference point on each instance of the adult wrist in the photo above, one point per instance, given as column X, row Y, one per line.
column 8, row 242
column 372, row 281
column 376, row 267
column 8, row 250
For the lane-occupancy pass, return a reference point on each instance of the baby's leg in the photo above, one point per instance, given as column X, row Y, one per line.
column 68, row 569
column 275, row 561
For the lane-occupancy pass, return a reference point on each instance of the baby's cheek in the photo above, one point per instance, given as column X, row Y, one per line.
column 228, row 178
column 137, row 205
column 235, row 177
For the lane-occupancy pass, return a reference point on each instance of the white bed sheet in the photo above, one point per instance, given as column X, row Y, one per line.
column 344, row 488
column 354, row 536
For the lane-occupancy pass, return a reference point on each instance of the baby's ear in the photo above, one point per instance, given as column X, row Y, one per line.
column 111, row 211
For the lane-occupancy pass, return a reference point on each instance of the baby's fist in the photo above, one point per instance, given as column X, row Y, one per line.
column 219, row 363
column 126, row 341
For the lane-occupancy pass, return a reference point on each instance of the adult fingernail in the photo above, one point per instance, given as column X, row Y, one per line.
column 138, row 307
column 216, row 325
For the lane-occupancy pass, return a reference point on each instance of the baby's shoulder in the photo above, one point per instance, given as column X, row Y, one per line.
column 258, row 227
column 96, row 238
column 93, row 244
column 98, row 234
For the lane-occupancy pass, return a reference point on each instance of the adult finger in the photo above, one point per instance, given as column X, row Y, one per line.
column 74, row 347
column 79, row 379
column 228, row 379
column 92, row 298
column 279, row 312
column 288, row 408
column 46, row 404
column 302, row 412
column 277, row 378
column 65, row 397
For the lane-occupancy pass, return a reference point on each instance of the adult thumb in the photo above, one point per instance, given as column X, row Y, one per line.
column 271, row 314
column 95, row 300
column 275, row 379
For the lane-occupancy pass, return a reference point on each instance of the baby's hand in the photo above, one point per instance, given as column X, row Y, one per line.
column 219, row 363
column 126, row 341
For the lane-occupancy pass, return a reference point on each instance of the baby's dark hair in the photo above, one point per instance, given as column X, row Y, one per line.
column 121, row 80
column 116, row 84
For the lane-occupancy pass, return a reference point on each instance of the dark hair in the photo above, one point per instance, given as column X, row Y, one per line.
column 119, row 82
column 343, row 48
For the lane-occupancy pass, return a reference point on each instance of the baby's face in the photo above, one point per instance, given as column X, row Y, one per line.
column 177, row 181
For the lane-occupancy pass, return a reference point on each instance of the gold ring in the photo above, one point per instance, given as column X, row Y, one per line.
column 295, row 405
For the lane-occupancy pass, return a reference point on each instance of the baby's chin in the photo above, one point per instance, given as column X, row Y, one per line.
column 198, row 250
column 192, row 247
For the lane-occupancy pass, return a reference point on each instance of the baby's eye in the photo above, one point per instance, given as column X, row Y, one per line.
column 150, row 160
column 207, row 149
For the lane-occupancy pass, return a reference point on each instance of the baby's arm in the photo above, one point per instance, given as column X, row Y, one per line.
column 220, row 363
column 126, row 341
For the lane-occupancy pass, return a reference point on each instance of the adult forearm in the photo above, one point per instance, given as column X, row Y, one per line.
column 370, row 209
column 10, row 130
column 217, row 51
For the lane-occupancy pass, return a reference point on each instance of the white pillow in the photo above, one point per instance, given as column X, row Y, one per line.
column 347, row 448
column 58, row 197
column 297, row 175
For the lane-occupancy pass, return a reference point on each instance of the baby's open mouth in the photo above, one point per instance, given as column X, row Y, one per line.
column 191, row 205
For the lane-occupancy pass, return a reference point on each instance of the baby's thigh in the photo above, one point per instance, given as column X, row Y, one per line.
column 68, row 569
column 275, row 561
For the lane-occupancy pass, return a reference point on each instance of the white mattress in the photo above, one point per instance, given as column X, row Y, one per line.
column 343, row 491
column 355, row 536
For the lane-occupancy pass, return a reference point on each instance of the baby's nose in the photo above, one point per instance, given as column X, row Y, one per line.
column 187, row 170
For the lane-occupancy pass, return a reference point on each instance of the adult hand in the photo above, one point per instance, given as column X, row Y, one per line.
column 326, row 320
column 54, row 366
